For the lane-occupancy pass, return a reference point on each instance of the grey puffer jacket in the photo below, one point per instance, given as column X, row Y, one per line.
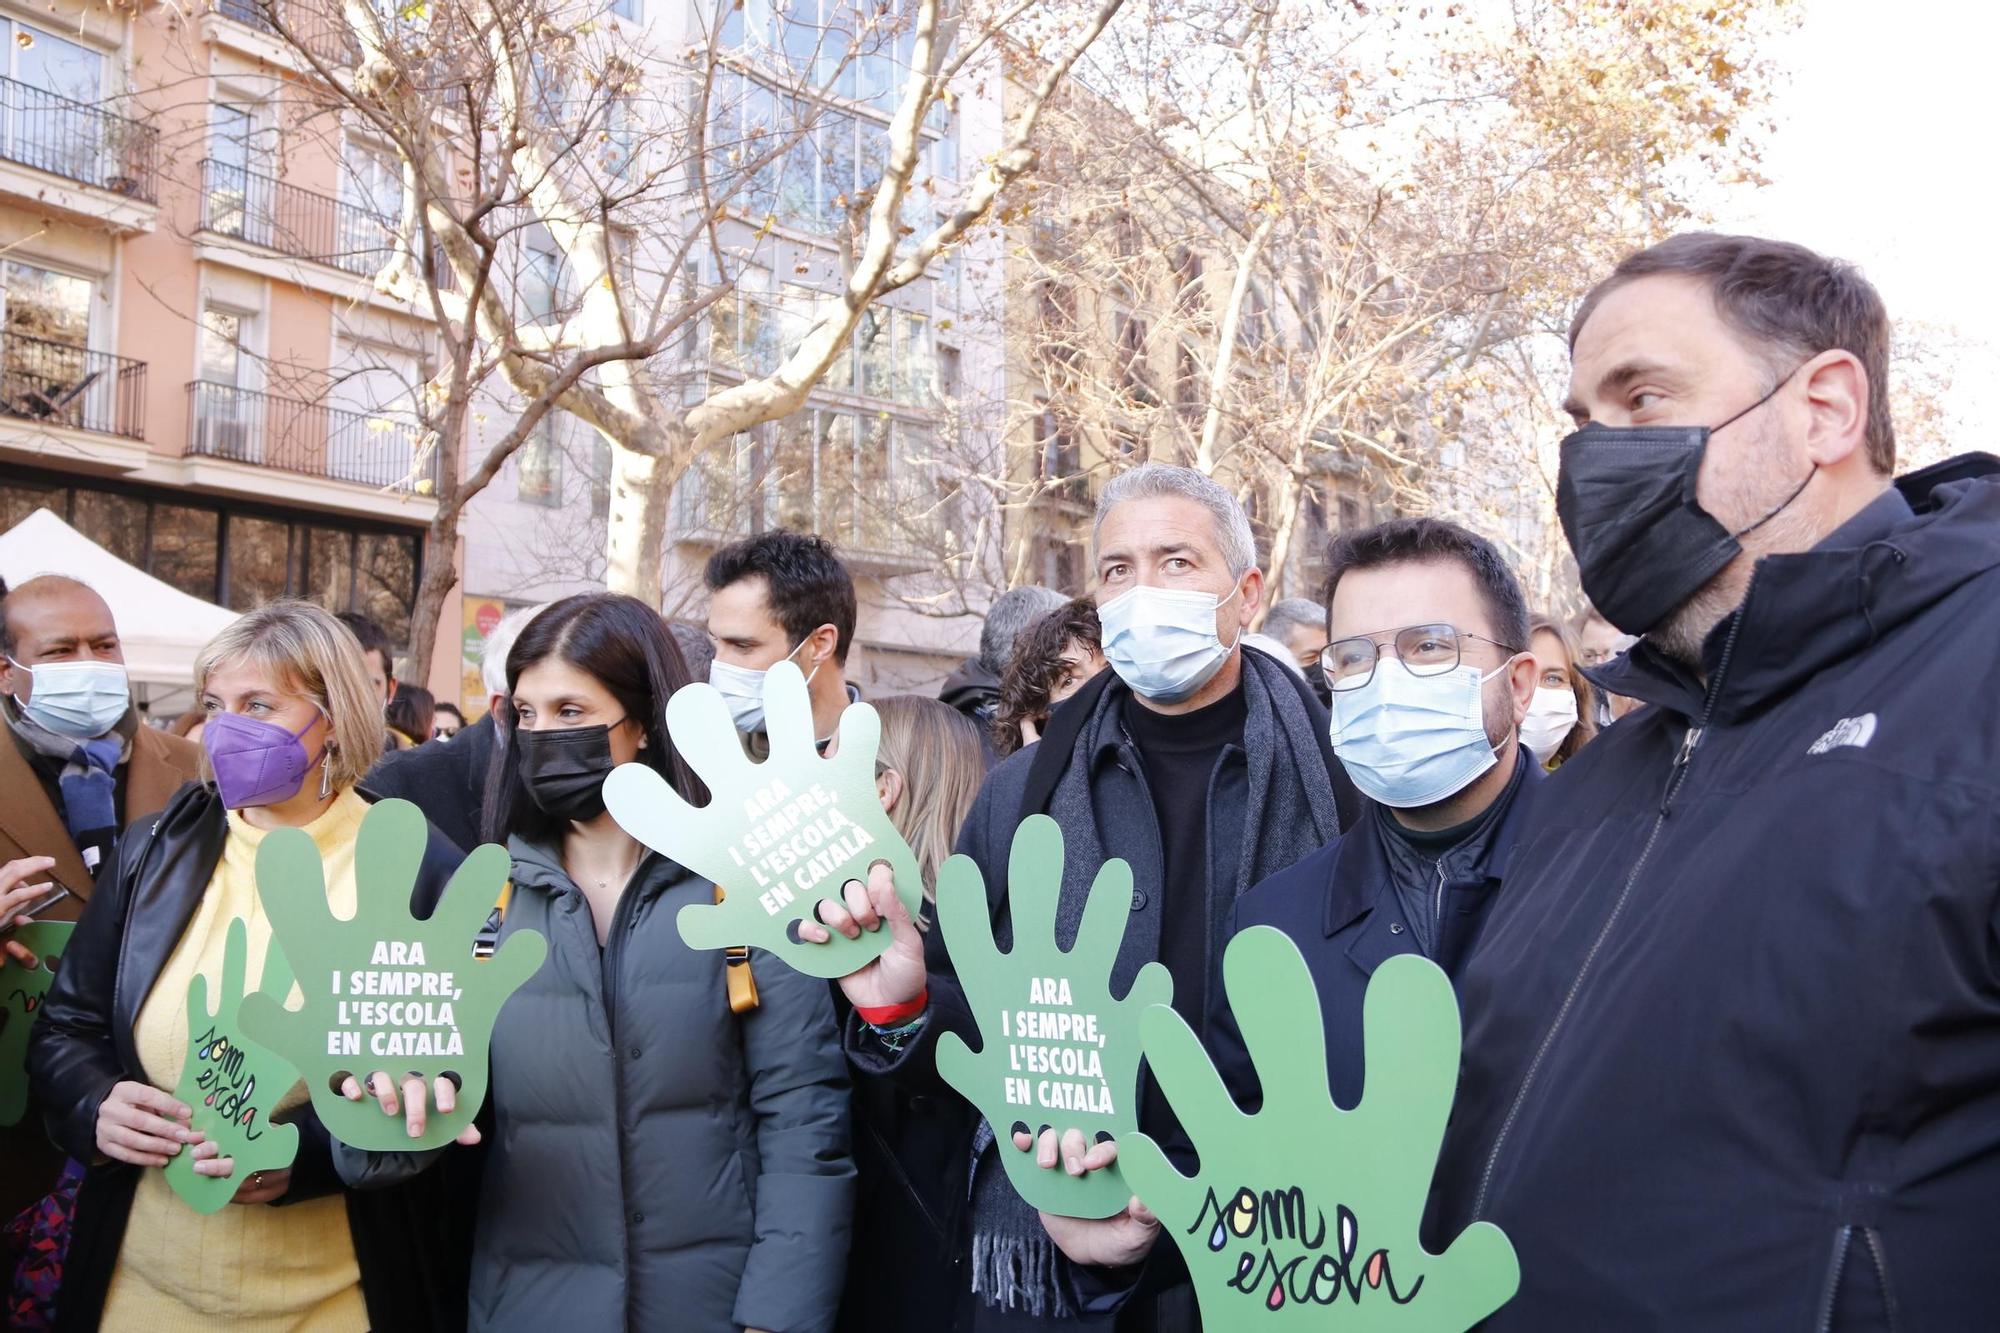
column 655, row 1161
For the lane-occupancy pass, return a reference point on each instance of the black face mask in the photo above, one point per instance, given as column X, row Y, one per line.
column 1643, row 543
column 565, row 770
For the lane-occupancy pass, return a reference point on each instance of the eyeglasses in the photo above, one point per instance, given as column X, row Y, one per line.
column 1424, row 650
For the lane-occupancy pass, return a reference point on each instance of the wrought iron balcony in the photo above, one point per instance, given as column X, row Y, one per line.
column 317, row 28
column 62, row 384
column 277, row 216
column 78, row 141
column 292, row 435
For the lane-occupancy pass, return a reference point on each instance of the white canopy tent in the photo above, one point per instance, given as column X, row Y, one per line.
column 162, row 627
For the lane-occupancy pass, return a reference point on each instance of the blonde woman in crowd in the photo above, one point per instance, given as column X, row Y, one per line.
column 292, row 724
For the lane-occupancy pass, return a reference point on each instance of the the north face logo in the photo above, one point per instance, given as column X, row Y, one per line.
column 1855, row 731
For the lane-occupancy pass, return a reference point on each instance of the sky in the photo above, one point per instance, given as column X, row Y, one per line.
column 1883, row 156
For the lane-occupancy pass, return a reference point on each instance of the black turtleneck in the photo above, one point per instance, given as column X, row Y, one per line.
column 1179, row 755
column 1420, row 862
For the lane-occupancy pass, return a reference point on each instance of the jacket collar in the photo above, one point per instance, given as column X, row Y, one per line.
column 32, row 823
column 1806, row 611
column 1360, row 872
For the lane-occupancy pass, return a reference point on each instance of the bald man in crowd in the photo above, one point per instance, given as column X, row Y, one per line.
column 77, row 766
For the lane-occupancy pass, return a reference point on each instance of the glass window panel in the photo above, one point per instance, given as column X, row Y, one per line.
column 115, row 522
column 260, row 562
column 221, row 353
column 836, row 140
column 330, row 567
column 793, row 470
column 185, row 550
column 386, row 588
column 914, row 371
column 875, row 504
column 760, row 110
column 871, row 347
column 799, row 31
column 837, row 499
column 538, row 468
column 42, row 303
column 798, row 185
column 46, row 128
column 872, row 154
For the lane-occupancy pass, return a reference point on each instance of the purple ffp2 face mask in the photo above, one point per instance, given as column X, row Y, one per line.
column 255, row 763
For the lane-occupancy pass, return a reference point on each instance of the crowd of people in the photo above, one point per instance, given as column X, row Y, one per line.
column 1711, row 866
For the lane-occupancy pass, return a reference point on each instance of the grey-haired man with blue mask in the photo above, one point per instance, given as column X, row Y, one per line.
column 1205, row 766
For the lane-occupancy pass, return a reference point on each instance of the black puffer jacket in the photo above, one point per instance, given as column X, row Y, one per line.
column 407, row 1241
column 1732, row 1052
column 653, row 1161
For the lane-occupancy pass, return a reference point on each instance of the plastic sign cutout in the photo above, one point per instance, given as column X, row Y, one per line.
column 1056, row 1049
column 385, row 991
column 1305, row 1216
column 778, row 836
column 230, row 1082
column 21, row 992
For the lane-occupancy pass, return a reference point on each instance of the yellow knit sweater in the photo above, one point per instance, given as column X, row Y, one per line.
column 253, row 1269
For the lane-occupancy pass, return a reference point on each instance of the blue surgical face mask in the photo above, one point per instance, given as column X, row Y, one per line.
column 742, row 688
column 1162, row 641
column 1411, row 741
column 80, row 700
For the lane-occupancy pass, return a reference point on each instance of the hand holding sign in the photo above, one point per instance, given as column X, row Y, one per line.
column 232, row 1083
column 385, row 991
column 1305, row 1206
column 1056, row 1050
column 22, row 987
column 778, row 836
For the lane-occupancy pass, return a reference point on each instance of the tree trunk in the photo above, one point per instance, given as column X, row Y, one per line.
column 636, row 539
column 440, row 545
column 440, row 577
column 1290, row 503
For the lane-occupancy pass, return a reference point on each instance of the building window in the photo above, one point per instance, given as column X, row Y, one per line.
column 538, row 467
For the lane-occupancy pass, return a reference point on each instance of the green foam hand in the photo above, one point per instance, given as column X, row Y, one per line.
column 1056, row 1050
column 385, row 991
column 231, row 1082
column 21, row 992
column 1304, row 1216
column 777, row 836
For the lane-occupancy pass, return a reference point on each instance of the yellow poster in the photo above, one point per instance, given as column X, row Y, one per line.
column 481, row 615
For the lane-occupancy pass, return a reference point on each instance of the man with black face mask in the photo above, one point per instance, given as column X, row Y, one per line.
column 1732, row 1054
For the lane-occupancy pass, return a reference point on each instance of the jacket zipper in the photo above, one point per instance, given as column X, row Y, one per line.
column 614, row 946
column 1676, row 775
column 1841, row 1240
column 1881, row 1262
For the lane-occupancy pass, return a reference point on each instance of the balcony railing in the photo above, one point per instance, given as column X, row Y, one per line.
column 372, row 449
column 77, row 140
column 62, row 384
column 317, row 28
column 268, row 212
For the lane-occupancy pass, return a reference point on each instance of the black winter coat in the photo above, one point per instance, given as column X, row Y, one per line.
column 411, row 1254
column 1340, row 907
column 653, row 1160
column 1733, row 1032
column 447, row 780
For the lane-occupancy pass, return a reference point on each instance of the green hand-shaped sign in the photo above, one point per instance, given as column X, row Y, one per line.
column 21, row 992
column 385, row 991
column 1056, row 1050
column 777, row 836
column 1305, row 1216
column 231, row 1082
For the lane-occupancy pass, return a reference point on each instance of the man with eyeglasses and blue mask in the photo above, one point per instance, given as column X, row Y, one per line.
column 1732, row 1034
column 1207, row 767
column 77, row 765
column 1430, row 677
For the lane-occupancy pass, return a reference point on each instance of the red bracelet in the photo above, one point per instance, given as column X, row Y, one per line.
column 894, row 1015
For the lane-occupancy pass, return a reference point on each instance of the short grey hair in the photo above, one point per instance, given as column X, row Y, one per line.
column 1011, row 613
column 1293, row 613
column 1157, row 481
column 493, row 664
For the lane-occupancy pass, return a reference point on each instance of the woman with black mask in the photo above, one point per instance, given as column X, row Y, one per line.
column 664, row 1150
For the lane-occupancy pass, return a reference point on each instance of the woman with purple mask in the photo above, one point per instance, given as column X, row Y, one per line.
column 292, row 725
